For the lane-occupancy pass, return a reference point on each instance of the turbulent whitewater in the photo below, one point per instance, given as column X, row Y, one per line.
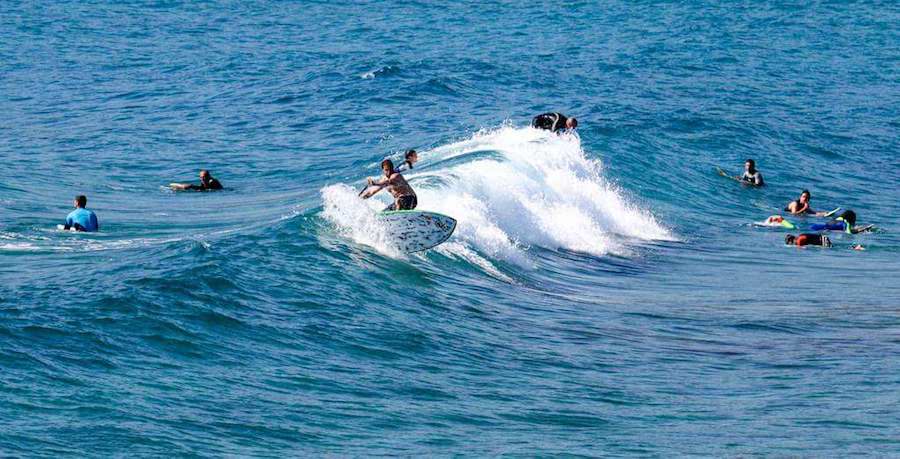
column 509, row 189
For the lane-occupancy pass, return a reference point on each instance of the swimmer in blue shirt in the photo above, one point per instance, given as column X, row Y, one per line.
column 82, row 219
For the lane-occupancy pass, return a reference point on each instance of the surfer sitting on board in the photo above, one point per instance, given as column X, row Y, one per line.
column 82, row 219
column 801, row 206
column 751, row 175
column 410, row 159
column 207, row 183
column 555, row 122
column 404, row 196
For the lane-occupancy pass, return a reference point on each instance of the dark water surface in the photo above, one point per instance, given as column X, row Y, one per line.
column 601, row 296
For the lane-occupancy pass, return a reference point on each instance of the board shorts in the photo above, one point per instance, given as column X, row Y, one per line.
column 408, row 202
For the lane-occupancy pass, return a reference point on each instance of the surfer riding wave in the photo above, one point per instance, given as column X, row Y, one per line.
column 510, row 189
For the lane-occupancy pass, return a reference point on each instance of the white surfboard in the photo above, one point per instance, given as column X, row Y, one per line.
column 417, row 230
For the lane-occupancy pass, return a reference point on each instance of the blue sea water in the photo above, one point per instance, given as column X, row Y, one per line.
column 603, row 295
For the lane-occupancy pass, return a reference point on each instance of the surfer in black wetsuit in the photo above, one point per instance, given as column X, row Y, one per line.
column 751, row 175
column 807, row 239
column 555, row 122
column 410, row 159
column 207, row 183
column 404, row 196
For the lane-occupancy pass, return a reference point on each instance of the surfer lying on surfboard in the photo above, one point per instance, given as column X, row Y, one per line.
column 820, row 240
column 801, row 206
column 404, row 196
column 846, row 222
column 207, row 183
column 807, row 239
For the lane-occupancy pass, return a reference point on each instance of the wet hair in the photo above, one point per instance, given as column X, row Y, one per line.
column 409, row 153
column 388, row 163
column 806, row 192
column 81, row 200
column 204, row 172
column 789, row 239
column 574, row 122
column 752, row 164
column 849, row 216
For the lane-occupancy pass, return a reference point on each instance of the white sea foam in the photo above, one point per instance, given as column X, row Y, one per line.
column 355, row 218
column 511, row 189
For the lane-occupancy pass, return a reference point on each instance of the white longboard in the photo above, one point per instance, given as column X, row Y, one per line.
column 417, row 230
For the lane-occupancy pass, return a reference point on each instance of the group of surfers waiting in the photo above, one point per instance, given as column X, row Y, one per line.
column 845, row 222
column 82, row 219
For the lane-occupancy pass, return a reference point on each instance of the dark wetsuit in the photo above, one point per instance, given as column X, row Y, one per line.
column 212, row 185
column 408, row 202
column 550, row 121
column 753, row 179
column 812, row 239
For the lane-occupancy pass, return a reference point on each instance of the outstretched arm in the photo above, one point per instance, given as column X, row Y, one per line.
column 369, row 192
column 377, row 184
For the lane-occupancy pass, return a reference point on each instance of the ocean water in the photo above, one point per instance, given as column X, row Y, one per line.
column 605, row 294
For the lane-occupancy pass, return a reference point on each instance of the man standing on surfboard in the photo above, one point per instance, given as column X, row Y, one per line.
column 404, row 196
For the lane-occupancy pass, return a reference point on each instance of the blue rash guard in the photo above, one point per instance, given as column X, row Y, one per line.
column 82, row 220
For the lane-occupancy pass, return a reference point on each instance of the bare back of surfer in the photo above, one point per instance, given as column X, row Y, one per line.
column 396, row 185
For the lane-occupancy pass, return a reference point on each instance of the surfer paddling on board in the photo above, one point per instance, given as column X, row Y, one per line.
column 807, row 239
column 846, row 222
column 82, row 219
column 556, row 122
column 404, row 196
column 409, row 159
column 207, row 183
